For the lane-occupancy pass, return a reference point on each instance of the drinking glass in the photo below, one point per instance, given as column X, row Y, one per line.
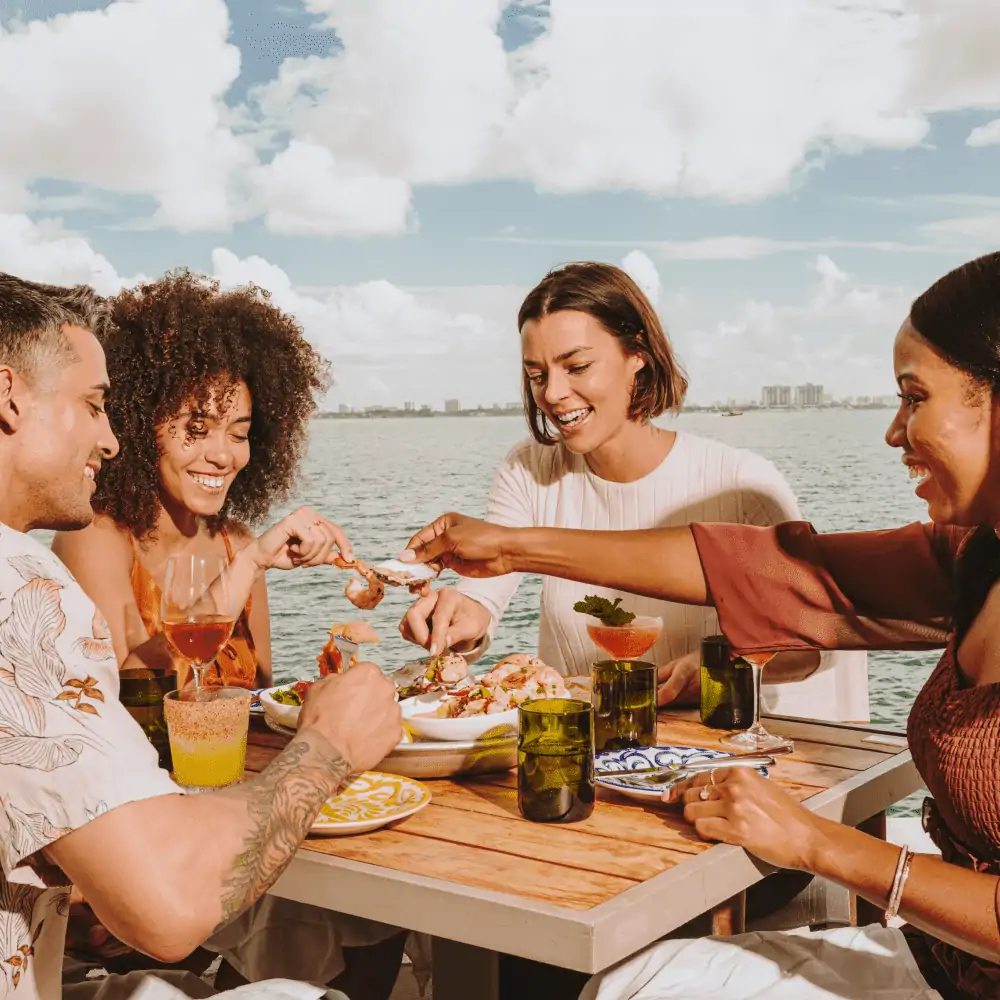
column 623, row 693
column 208, row 734
column 197, row 609
column 141, row 690
column 627, row 642
column 756, row 737
column 555, row 760
column 726, row 686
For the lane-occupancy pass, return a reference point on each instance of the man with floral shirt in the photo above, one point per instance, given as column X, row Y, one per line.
column 80, row 787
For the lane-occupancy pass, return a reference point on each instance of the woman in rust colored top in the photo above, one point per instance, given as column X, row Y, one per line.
column 785, row 587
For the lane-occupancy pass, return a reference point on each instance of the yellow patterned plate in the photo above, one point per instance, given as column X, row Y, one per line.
column 370, row 800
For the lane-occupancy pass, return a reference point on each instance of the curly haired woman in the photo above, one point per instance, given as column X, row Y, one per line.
column 213, row 391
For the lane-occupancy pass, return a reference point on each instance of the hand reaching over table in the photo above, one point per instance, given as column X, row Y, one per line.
column 738, row 806
column 445, row 619
column 357, row 712
column 680, row 681
column 466, row 545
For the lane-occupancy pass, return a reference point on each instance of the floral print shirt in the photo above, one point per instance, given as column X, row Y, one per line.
column 69, row 752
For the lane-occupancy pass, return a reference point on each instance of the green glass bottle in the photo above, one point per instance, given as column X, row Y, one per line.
column 726, row 686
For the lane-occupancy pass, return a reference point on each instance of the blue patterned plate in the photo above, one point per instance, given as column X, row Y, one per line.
column 641, row 757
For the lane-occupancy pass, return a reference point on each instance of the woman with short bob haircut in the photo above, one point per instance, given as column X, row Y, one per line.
column 598, row 368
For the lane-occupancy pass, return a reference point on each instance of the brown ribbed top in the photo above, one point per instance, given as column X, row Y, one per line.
column 788, row 588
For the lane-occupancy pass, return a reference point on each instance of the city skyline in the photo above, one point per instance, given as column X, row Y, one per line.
column 398, row 176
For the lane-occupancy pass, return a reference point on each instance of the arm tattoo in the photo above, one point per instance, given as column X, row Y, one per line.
column 282, row 803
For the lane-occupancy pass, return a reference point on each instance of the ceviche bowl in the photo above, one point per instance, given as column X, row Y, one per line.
column 278, row 708
column 418, row 714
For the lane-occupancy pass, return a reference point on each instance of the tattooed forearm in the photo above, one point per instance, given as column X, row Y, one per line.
column 282, row 803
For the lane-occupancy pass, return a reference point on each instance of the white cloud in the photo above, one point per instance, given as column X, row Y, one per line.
column 642, row 95
column 838, row 334
column 985, row 135
column 967, row 232
column 45, row 252
column 304, row 192
column 647, row 96
column 642, row 271
column 389, row 344
column 127, row 99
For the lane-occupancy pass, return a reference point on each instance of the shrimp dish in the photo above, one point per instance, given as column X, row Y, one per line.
column 366, row 590
column 513, row 681
column 438, row 673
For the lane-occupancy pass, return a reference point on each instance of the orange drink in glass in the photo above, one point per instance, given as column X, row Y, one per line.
column 626, row 642
column 208, row 735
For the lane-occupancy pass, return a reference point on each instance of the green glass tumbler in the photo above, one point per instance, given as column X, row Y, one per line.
column 141, row 691
column 555, row 760
column 624, row 697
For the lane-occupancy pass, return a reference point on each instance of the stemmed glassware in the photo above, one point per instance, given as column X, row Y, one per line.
column 756, row 737
column 626, row 642
column 197, row 610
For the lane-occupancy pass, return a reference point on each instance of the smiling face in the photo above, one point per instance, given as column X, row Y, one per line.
column 61, row 436
column 202, row 450
column 580, row 377
column 946, row 426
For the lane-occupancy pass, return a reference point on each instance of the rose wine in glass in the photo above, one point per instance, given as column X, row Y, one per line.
column 197, row 611
column 756, row 737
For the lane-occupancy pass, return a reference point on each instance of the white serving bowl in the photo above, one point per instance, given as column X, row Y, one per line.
column 285, row 715
column 475, row 727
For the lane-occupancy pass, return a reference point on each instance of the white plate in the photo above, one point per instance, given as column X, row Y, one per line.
column 368, row 801
column 427, row 759
column 638, row 757
column 475, row 727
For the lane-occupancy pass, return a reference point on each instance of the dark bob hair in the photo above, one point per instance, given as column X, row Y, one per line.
column 609, row 295
column 183, row 339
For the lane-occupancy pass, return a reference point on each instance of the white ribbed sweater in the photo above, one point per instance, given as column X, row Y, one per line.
column 699, row 480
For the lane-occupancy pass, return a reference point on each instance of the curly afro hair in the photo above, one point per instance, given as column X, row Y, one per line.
column 181, row 339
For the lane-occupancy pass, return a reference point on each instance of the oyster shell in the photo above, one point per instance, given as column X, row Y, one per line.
column 401, row 574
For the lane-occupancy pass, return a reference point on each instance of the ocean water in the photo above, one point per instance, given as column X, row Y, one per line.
column 383, row 479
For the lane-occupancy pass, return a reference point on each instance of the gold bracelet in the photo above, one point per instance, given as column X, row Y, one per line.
column 902, row 873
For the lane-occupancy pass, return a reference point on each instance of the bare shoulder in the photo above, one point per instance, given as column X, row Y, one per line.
column 101, row 539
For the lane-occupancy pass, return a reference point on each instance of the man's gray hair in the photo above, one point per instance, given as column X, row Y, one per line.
column 32, row 319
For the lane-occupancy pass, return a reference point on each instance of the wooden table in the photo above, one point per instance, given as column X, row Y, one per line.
column 471, row 872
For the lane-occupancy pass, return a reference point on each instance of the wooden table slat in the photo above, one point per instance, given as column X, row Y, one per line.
column 570, row 846
column 479, row 867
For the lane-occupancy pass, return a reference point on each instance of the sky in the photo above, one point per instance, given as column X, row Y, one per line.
column 781, row 177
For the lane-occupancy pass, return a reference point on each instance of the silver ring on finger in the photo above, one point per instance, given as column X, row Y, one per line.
column 704, row 794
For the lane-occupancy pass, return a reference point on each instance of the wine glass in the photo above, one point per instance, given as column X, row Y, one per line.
column 756, row 737
column 197, row 610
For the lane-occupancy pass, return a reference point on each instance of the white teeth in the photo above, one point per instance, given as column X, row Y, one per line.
column 212, row 482
column 920, row 472
column 89, row 473
column 573, row 417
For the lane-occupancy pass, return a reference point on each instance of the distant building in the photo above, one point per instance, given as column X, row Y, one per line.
column 343, row 408
column 452, row 406
column 409, row 407
column 512, row 407
column 776, row 395
column 809, row 395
